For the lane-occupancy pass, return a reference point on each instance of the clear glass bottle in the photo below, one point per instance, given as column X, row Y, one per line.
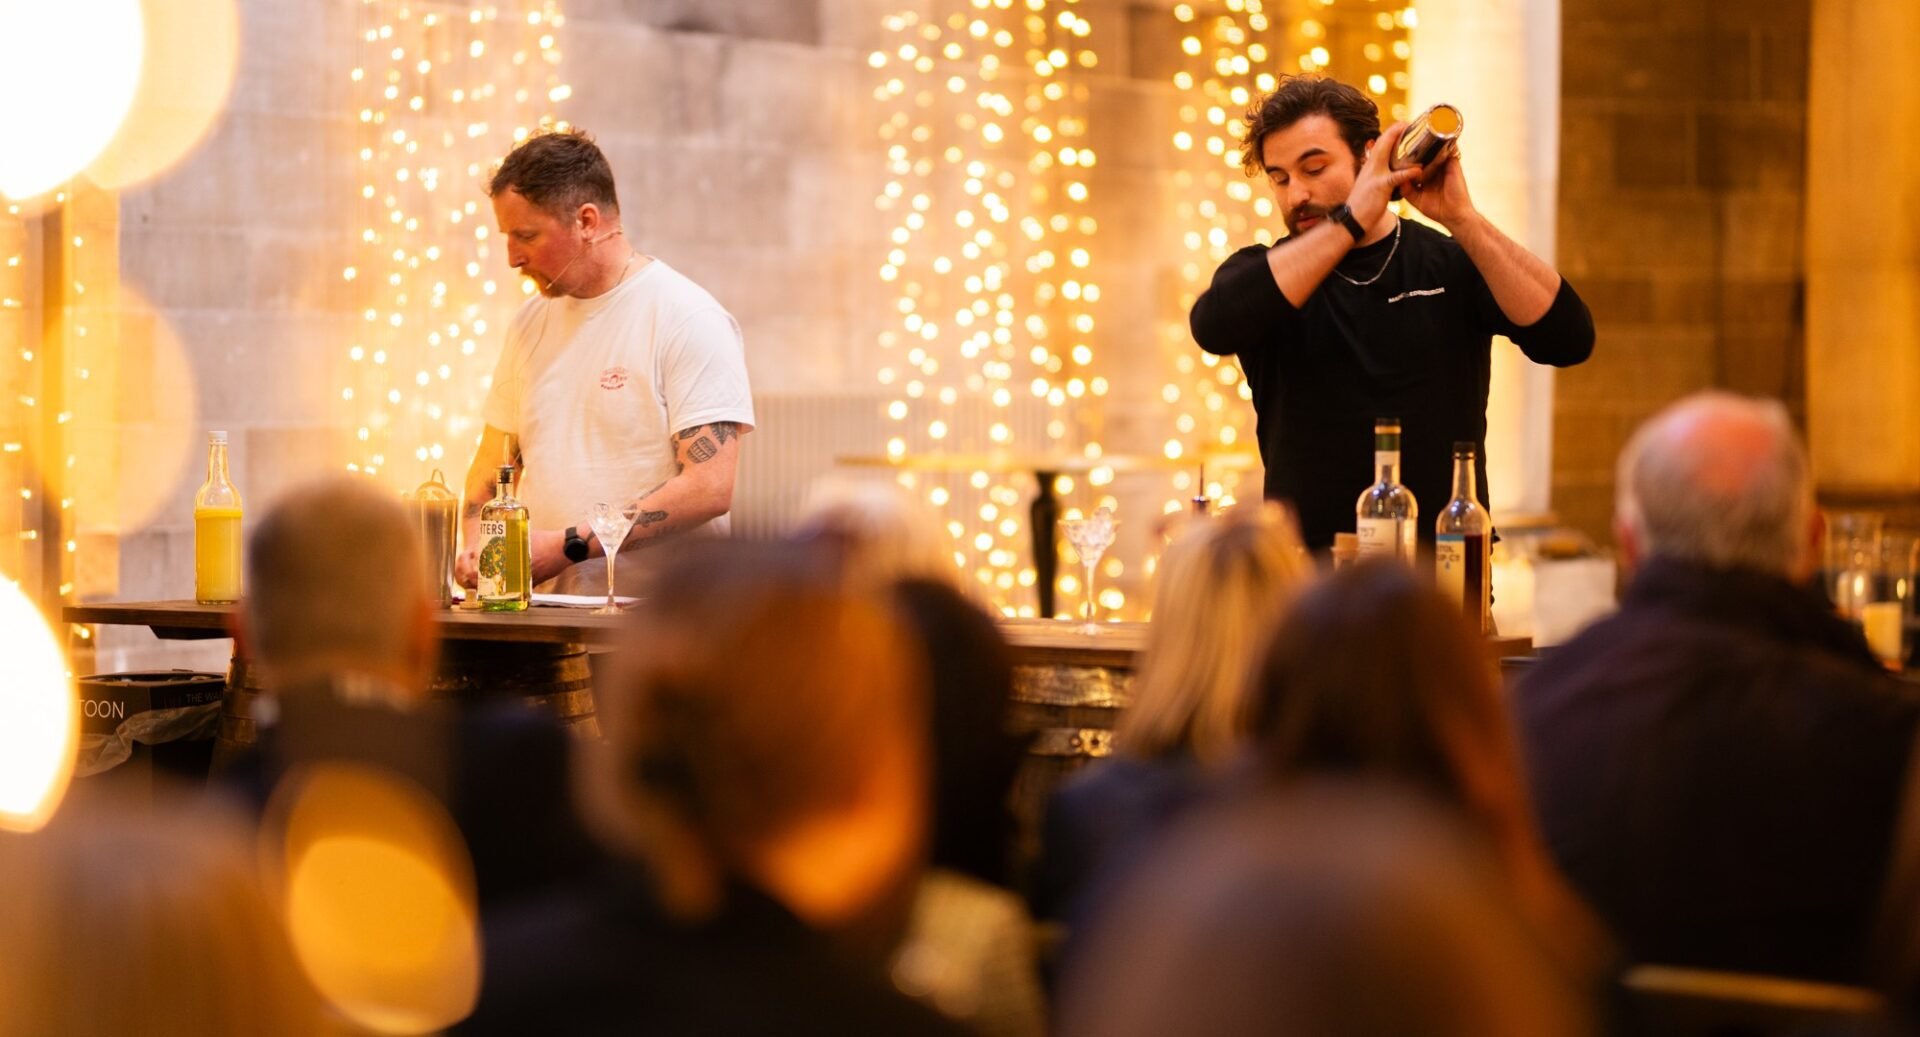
column 216, row 530
column 506, row 558
column 1463, row 542
column 1386, row 514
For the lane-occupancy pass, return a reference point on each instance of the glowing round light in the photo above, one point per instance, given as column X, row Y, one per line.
column 39, row 717
column 379, row 898
column 68, row 71
column 192, row 49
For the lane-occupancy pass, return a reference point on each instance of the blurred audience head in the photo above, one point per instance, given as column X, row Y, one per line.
column 334, row 590
column 1222, row 585
column 1373, row 674
column 975, row 758
column 888, row 543
column 1324, row 910
column 137, row 921
column 883, row 534
column 1719, row 480
column 765, row 726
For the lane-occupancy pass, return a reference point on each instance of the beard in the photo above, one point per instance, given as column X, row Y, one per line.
column 1304, row 212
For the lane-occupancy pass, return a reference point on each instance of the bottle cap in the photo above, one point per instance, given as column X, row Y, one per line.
column 1465, row 448
column 506, row 473
column 218, row 438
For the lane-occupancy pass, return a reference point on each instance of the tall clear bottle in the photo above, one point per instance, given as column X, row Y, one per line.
column 216, row 530
column 1463, row 542
column 1386, row 516
column 506, row 558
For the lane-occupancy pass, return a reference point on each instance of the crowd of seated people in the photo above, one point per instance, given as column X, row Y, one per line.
column 1326, row 814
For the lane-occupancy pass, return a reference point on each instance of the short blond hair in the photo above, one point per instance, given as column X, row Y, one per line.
column 334, row 571
column 1222, row 586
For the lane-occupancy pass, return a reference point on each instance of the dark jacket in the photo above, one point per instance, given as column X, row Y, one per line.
column 601, row 959
column 1103, row 820
column 1718, row 768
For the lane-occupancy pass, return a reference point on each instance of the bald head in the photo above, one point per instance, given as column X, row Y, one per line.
column 1718, row 480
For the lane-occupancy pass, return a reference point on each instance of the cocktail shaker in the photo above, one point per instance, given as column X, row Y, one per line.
column 1432, row 136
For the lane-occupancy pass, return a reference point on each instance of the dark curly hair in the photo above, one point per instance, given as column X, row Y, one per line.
column 1300, row 96
column 559, row 171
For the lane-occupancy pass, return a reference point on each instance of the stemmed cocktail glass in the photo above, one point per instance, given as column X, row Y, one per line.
column 611, row 523
column 1090, row 537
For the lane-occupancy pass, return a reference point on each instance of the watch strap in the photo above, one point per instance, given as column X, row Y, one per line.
column 1344, row 216
column 568, row 547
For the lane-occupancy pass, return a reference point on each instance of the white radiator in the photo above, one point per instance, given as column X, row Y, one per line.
column 799, row 437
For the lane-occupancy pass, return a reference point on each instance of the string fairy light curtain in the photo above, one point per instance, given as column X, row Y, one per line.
column 991, row 259
column 441, row 91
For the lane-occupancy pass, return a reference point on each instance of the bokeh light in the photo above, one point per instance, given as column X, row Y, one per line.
column 68, row 71
column 192, row 48
column 136, row 421
column 379, row 898
column 39, row 716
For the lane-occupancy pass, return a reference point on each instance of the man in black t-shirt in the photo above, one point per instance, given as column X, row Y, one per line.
column 1358, row 314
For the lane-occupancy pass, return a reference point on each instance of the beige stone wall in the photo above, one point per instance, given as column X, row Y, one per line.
column 1682, row 166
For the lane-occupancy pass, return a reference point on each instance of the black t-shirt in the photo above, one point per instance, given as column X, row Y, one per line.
column 1415, row 345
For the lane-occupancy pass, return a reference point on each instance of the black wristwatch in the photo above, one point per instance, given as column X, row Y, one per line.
column 1344, row 217
column 576, row 546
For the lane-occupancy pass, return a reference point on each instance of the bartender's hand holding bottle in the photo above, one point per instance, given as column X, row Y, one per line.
column 1373, row 188
column 1442, row 196
column 466, row 568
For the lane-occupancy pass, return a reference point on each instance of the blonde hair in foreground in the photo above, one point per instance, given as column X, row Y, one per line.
column 1223, row 585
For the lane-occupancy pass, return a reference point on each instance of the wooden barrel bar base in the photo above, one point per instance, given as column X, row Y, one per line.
column 552, row 677
column 1066, row 715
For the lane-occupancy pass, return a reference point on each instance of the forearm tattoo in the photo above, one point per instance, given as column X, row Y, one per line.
column 648, row 518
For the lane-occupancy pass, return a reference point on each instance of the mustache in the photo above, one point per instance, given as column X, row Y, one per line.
column 1308, row 211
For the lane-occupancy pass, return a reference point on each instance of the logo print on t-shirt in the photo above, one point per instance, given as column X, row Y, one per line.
column 613, row 378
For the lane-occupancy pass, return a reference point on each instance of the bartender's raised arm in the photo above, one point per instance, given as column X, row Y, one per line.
column 1258, row 288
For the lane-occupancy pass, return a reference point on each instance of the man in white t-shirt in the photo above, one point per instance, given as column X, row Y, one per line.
column 621, row 381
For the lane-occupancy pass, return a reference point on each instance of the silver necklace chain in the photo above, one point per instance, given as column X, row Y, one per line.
column 1397, row 224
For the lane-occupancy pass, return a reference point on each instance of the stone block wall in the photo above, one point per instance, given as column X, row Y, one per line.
column 1682, row 163
column 743, row 134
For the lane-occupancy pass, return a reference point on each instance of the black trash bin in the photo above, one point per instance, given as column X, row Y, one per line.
column 135, row 727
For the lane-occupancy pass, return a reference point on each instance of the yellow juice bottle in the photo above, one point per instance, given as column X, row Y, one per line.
column 216, row 530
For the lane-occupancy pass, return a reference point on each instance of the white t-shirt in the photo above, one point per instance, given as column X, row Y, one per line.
column 595, row 389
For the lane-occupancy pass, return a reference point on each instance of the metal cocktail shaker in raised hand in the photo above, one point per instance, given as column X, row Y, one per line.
column 1432, row 136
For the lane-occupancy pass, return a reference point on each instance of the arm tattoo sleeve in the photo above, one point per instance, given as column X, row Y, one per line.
column 725, row 430
column 702, row 449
